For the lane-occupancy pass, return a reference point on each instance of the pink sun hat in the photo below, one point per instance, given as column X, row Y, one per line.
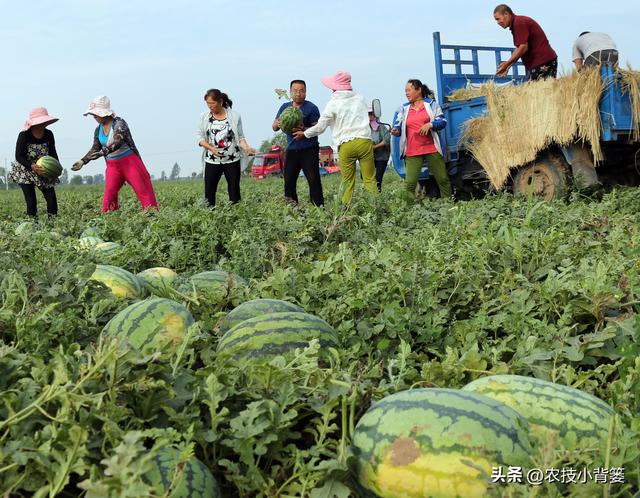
column 100, row 106
column 339, row 81
column 37, row 116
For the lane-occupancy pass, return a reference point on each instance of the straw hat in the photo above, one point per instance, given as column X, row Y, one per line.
column 100, row 106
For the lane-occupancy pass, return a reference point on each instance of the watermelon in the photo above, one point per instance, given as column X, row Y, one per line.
column 90, row 232
column 256, row 307
column 51, row 167
column 157, row 281
column 212, row 281
column 437, row 443
column 276, row 333
column 26, row 228
column 120, row 281
column 572, row 414
column 152, row 321
column 88, row 242
column 290, row 118
column 191, row 480
column 106, row 249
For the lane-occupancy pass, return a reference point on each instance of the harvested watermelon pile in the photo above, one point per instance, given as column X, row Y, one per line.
column 377, row 350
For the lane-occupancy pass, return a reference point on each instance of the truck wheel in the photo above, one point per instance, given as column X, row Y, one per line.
column 546, row 177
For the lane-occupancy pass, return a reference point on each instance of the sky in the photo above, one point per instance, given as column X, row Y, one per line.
column 155, row 60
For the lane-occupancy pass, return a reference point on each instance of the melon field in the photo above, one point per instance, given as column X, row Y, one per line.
column 349, row 381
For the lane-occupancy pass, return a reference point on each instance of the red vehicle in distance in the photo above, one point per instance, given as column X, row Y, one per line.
column 268, row 163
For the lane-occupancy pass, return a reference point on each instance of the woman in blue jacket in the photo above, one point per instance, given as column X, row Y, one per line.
column 417, row 124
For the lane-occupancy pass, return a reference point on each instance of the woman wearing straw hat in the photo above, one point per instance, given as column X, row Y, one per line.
column 34, row 142
column 417, row 123
column 347, row 115
column 113, row 141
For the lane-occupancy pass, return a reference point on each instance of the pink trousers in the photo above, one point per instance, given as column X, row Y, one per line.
column 128, row 169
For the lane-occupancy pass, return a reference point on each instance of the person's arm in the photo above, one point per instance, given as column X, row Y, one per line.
column 324, row 121
column 504, row 67
column 439, row 121
column 21, row 150
column 120, row 130
column 52, row 146
column 242, row 142
column 579, row 64
column 94, row 152
column 578, row 56
column 276, row 122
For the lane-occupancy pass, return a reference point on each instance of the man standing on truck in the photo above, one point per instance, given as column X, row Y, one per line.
column 301, row 154
column 532, row 45
column 593, row 49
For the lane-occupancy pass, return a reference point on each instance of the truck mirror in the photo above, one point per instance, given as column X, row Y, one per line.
column 377, row 109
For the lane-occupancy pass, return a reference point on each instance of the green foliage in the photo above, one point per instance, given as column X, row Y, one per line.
column 432, row 295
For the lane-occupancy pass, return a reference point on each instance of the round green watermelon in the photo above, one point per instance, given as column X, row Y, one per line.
column 51, row 167
column 88, row 242
column 90, row 232
column 290, row 118
column 106, row 249
column 276, row 334
column 572, row 414
column 153, row 322
column 121, row 282
column 441, row 443
column 192, row 479
column 158, row 281
column 26, row 228
column 254, row 308
column 212, row 281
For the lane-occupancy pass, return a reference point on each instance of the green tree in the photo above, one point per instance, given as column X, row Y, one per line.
column 76, row 180
column 64, row 177
column 163, row 176
column 278, row 138
column 175, row 172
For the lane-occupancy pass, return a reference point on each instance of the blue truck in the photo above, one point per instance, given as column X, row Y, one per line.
column 553, row 170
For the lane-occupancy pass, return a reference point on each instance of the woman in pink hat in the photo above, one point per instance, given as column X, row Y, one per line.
column 347, row 115
column 35, row 141
column 113, row 141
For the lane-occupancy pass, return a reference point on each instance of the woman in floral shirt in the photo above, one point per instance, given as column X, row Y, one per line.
column 34, row 142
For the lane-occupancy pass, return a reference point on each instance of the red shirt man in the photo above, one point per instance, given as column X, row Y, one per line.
column 532, row 45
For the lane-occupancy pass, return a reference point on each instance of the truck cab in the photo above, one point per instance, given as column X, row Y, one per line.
column 268, row 163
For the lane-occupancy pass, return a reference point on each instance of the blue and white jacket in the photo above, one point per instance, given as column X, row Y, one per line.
column 435, row 115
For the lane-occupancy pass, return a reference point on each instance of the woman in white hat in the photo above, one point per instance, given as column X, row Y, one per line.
column 34, row 142
column 112, row 140
column 347, row 115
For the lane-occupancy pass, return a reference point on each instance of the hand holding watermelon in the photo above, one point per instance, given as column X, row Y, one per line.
column 37, row 170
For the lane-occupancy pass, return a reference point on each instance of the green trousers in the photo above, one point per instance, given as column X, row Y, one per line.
column 437, row 169
column 361, row 150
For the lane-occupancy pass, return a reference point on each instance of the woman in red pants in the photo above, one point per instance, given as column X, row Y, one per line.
column 112, row 140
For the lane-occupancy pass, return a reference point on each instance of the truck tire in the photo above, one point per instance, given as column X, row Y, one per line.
column 546, row 177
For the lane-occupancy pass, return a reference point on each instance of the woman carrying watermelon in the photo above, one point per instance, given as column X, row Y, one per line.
column 347, row 115
column 35, row 141
column 224, row 148
column 113, row 141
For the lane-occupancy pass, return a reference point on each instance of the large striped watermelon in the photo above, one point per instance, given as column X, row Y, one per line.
column 571, row 413
column 152, row 321
column 157, row 281
column 51, row 167
column 212, row 281
column 276, row 333
column 254, row 308
column 438, row 443
column 121, row 282
column 190, row 480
